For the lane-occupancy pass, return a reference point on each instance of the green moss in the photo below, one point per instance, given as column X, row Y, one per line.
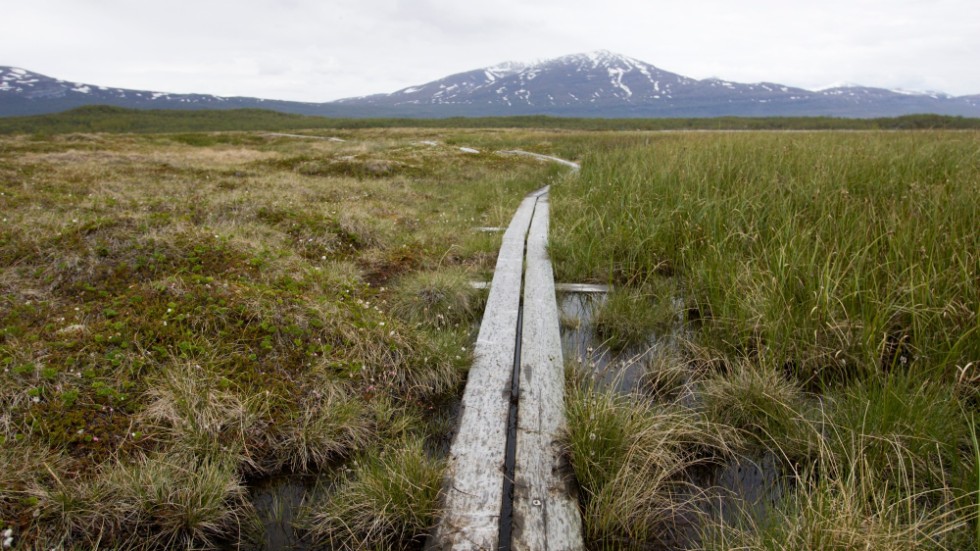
column 137, row 261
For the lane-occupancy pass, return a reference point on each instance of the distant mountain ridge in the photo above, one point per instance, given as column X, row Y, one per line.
column 606, row 84
column 595, row 84
column 23, row 92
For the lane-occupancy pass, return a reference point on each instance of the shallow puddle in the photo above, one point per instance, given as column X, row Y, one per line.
column 739, row 492
column 623, row 370
column 277, row 501
column 745, row 486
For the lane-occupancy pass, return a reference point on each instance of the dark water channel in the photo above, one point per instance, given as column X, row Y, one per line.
column 726, row 491
column 277, row 501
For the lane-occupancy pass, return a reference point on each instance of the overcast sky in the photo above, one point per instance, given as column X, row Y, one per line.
column 319, row 50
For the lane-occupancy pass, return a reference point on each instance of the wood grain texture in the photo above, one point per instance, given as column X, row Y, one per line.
column 546, row 514
column 473, row 489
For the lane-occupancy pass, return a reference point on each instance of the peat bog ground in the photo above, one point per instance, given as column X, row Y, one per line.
column 199, row 332
column 242, row 339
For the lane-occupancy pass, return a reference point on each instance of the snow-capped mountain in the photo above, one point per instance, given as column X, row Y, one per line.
column 593, row 79
column 596, row 84
column 606, row 84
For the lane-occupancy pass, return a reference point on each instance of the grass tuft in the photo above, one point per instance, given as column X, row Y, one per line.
column 630, row 458
column 437, row 299
column 770, row 411
column 389, row 500
column 196, row 410
column 163, row 501
column 331, row 427
column 841, row 503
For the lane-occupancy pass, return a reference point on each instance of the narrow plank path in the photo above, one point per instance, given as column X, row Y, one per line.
column 304, row 136
column 473, row 493
column 546, row 514
column 507, row 485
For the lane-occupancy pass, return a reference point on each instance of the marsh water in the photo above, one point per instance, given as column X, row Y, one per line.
column 278, row 501
column 727, row 490
column 624, row 369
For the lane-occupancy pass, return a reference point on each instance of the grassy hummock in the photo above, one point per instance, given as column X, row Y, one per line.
column 183, row 314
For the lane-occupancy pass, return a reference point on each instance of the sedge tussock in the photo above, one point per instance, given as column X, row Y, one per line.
column 388, row 500
column 629, row 457
column 438, row 299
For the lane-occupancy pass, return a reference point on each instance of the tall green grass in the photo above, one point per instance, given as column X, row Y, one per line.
column 831, row 289
column 833, row 254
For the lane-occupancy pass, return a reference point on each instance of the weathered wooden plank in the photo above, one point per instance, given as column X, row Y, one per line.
column 582, row 288
column 473, row 489
column 570, row 164
column 546, row 515
column 304, row 136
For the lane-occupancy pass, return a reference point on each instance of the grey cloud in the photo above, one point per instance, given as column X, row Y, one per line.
column 315, row 51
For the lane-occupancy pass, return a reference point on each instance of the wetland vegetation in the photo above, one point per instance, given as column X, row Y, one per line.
column 185, row 317
column 828, row 287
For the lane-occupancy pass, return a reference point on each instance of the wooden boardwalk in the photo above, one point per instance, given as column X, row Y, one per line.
column 507, row 486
